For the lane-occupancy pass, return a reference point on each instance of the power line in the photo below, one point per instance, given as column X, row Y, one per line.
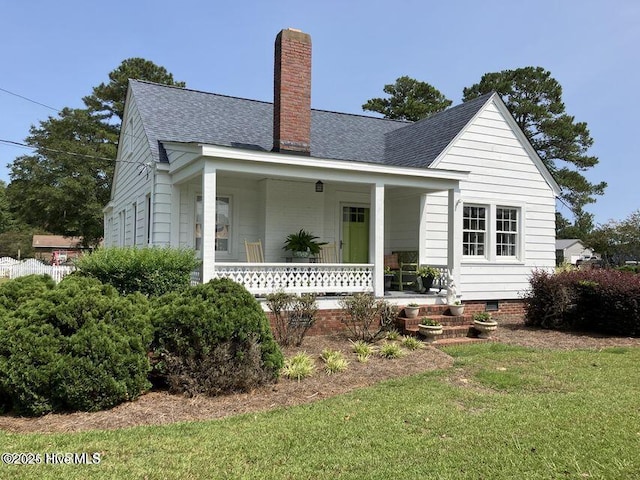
column 30, row 100
column 95, row 157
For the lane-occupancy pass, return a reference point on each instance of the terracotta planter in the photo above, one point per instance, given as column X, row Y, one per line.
column 430, row 332
column 411, row 312
column 456, row 310
column 485, row 328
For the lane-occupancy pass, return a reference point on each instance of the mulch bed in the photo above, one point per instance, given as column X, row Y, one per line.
column 160, row 408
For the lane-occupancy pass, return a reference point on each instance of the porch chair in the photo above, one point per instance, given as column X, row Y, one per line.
column 254, row 251
column 328, row 253
column 407, row 269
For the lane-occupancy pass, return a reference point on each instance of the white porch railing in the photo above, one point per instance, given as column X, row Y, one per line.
column 265, row 278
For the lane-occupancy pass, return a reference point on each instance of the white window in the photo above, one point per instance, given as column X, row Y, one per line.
column 223, row 224
column 135, row 222
column 474, row 230
column 506, row 232
column 492, row 232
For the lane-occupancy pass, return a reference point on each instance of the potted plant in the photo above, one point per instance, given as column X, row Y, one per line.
column 456, row 309
column 411, row 310
column 425, row 276
column 388, row 278
column 430, row 329
column 302, row 244
column 484, row 324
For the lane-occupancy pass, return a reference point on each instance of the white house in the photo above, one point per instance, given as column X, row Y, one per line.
column 463, row 188
column 571, row 250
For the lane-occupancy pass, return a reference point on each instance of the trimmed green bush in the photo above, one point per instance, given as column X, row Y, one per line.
column 15, row 292
column 78, row 346
column 212, row 332
column 151, row 271
column 605, row 301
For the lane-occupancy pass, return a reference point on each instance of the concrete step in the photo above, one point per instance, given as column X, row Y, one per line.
column 446, row 342
column 448, row 331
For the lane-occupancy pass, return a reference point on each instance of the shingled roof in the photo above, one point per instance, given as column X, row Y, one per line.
column 183, row 115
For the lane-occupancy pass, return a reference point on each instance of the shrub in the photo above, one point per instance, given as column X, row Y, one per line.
column 17, row 291
column 366, row 319
column 299, row 366
column 78, row 346
column 151, row 271
column 213, row 338
column 293, row 316
column 605, row 301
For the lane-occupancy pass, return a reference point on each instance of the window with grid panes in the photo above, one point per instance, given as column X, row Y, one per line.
column 474, row 230
column 506, row 231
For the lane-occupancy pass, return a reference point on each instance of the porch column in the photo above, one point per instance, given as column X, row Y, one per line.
column 208, row 221
column 422, row 231
column 376, row 238
column 454, row 234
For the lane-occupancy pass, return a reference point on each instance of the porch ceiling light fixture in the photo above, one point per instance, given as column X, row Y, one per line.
column 319, row 186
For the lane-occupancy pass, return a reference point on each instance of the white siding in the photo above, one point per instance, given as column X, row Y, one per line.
column 502, row 174
column 131, row 184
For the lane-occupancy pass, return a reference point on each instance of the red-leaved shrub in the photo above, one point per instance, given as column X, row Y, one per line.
column 605, row 301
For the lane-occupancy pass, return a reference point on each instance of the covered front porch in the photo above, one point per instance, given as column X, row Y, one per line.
column 228, row 197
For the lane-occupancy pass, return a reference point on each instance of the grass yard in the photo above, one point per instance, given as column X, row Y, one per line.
column 501, row 412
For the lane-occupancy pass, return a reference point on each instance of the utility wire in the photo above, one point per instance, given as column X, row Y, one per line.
column 95, row 157
column 30, row 100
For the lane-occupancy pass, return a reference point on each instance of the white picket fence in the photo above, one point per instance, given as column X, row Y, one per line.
column 12, row 268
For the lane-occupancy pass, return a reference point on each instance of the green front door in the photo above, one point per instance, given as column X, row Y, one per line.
column 355, row 234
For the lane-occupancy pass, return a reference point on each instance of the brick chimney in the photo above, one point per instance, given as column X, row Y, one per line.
column 292, row 93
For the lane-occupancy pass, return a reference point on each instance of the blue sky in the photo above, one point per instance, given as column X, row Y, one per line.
column 55, row 52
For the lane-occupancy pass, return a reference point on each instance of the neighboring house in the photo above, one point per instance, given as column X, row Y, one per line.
column 571, row 251
column 56, row 248
column 464, row 189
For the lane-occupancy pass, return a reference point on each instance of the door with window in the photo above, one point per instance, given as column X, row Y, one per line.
column 355, row 234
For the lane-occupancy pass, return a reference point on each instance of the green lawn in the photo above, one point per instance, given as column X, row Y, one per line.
column 500, row 413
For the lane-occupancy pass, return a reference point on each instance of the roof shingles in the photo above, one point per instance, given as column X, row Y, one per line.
column 183, row 115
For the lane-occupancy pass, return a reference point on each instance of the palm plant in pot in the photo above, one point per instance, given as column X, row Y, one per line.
column 302, row 244
column 430, row 329
column 484, row 324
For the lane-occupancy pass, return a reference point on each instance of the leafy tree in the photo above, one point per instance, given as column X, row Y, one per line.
column 409, row 100
column 534, row 98
column 109, row 98
column 618, row 241
column 64, row 185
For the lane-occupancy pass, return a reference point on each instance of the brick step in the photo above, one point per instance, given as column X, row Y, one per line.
column 446, row 320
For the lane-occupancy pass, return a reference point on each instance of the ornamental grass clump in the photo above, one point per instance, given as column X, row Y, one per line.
column 411, row 343
column 334, row 361
column 362, row 350
column 300, row 366
column 390, row 351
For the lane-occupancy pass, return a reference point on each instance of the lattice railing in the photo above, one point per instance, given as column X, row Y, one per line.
column 264, row 278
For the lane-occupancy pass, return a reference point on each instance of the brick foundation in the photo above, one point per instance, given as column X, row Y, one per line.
column 330, row 321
